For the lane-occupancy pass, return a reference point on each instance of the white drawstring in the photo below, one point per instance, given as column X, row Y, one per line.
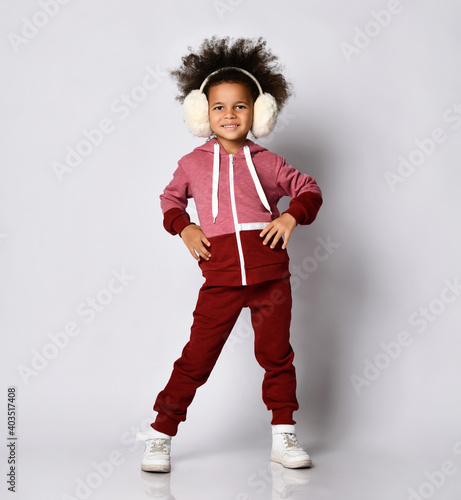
column 254, row 176
column 214, row 193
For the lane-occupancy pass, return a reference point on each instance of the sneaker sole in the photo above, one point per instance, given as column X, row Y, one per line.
column 302, row 464
column 156, row 468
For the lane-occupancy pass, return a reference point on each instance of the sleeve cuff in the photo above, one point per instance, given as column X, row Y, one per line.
column 175, row 220
column 297, row 212
column 180, row 223
column 304, row 208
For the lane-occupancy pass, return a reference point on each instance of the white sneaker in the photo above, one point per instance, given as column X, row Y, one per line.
column 286, row 450
column 156, row 456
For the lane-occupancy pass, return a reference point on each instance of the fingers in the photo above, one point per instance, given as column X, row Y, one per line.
column 268, row 232
column 274, row 234
column 265, row 230
column 192, row 252
column 202, row 251
column 285, row 241
column 198, row 250
column 195, row 241
column 278, row 228
column 275, row 239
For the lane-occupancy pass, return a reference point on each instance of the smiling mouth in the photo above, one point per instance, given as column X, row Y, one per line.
column 230, row 126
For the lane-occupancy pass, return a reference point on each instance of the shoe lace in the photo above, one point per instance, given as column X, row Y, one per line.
column 158, row 446
column 291, row 441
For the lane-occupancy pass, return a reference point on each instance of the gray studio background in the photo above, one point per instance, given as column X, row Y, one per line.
column 375, row 118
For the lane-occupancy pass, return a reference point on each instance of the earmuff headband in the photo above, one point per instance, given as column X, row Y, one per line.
column 196, row 109
column 231, row 67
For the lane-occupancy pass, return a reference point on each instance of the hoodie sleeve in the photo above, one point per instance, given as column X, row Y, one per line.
column 173, row 202
column 304, row 191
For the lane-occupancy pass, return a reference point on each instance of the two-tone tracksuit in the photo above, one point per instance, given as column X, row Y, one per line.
column 236, row 196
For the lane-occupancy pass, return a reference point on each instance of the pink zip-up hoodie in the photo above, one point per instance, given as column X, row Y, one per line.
column 236, row 197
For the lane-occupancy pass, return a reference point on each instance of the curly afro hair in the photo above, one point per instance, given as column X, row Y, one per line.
column 246, row 53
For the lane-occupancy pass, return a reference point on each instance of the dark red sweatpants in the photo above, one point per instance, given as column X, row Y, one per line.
column 217, row 310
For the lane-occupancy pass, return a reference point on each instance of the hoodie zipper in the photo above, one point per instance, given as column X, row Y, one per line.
column 234, row 215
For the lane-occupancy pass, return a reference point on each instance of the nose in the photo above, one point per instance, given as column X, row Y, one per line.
column 230, row 113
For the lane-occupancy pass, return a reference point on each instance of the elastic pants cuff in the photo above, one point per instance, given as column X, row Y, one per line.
column 282, row 416
column 166, row 425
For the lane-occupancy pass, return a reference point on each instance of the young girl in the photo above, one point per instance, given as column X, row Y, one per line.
column 230, row 88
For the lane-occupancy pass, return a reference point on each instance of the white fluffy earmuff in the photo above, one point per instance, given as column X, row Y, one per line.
column 196, row 110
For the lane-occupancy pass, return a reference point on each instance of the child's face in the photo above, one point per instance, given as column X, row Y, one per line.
column 230, row 111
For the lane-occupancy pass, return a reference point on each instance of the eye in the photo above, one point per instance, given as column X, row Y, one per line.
column 218, row 108
column 241, row 106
